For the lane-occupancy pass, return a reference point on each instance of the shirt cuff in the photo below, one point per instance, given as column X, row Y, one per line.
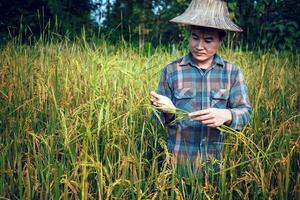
column 236, row 119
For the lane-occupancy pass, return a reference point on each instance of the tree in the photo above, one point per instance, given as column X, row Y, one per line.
column 269, row 23
column 129, row 19
column 34, row 16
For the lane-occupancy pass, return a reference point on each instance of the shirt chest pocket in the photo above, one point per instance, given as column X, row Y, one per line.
column 219, row 98
column 184, row 98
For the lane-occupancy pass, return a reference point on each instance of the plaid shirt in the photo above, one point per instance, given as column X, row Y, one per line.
column 192, row 89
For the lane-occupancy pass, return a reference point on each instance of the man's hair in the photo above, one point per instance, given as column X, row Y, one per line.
column 221, row 33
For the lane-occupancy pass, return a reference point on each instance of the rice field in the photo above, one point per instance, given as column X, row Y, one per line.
column 75, row 124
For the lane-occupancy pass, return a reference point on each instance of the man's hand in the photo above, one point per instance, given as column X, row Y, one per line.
column 162, row 103
column 213, row 117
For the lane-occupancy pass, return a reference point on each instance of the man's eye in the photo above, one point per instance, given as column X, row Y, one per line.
column 208, row 41
column 195, row 38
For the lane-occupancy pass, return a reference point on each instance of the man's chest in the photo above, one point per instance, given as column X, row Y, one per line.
column 192, row 89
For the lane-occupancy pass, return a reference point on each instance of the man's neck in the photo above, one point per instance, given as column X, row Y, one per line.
column 205, row 64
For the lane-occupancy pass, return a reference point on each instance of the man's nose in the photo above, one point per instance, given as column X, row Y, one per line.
column 200, row 44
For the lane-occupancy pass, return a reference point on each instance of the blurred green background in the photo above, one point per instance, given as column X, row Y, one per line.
column 266, row 23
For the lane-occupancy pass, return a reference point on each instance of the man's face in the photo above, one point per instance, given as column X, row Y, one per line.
column 203, row 44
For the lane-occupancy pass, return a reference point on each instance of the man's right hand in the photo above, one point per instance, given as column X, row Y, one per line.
column 162, row 103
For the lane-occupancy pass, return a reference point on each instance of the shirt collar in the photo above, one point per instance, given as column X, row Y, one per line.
column 187, row 59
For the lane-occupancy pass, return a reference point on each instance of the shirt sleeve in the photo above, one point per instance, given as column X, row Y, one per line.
column 239, row 103
column 163, row 89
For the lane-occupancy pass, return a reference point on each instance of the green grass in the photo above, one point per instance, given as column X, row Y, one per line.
column 74, row 124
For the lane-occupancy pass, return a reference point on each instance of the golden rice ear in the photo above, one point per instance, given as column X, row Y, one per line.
column 207, row 13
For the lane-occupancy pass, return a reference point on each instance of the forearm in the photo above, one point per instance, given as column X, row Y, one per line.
column 240, row 117
column 228, row 117
column 239, row 103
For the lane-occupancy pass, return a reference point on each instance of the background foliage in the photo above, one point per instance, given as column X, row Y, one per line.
column 266, row 23
column 33, row 18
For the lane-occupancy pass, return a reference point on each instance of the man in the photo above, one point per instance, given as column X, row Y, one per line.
column 201, row 83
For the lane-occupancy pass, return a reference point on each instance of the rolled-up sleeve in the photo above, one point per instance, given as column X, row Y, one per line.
column 239, row 103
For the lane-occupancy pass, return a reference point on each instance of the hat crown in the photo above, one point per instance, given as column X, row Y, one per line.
column 207, row 13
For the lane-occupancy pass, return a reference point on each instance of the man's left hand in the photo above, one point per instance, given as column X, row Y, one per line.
column 213, row 117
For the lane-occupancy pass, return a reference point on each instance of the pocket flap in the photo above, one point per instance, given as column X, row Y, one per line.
column 185, row 93
column 220, row 94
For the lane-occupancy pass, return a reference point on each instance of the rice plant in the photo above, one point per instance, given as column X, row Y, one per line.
column 75, row 124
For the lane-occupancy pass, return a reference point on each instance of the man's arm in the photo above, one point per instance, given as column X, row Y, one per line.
column 238, row 113
column 163, row 91
column 239, row 104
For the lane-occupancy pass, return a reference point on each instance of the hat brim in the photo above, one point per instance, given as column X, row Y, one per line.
column 230, row 26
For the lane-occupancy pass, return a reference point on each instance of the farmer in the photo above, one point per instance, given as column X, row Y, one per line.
column 201, row 83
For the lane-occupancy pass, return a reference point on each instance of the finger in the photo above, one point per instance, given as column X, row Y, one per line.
column 199, row 112
column 153, row 99
column 155, row 103
column 155, row 95
column 156, row 107
column 201, row 118
column 209, row 121
column 159, row 108
column 212, row 125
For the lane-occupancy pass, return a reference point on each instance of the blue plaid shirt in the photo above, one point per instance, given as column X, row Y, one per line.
column 191, row 89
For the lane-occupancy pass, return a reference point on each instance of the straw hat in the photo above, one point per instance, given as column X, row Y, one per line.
column 207, row 13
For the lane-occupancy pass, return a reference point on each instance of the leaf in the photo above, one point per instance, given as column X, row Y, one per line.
column 232, row 6
column 281, row 27
column 293, row 23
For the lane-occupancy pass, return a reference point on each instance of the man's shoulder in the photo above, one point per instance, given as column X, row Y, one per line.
column 230, row 66
column 233, row 69
column 173, row 65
